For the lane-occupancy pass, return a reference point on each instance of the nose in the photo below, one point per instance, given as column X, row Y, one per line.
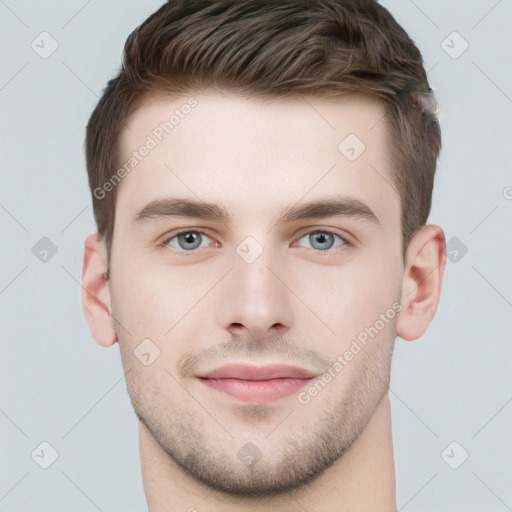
column 254, row 302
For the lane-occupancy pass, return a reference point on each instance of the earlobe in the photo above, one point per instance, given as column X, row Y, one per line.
column 95, row 292
column 422, row 281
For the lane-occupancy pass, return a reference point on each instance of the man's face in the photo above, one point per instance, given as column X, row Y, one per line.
column 257, row 287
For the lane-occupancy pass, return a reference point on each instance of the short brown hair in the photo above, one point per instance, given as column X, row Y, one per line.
column 260, row 48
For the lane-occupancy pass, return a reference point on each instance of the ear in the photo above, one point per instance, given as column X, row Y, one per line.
column 95, row 294
column 421, row 282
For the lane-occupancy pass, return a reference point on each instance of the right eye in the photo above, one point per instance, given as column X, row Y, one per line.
column 186, row 241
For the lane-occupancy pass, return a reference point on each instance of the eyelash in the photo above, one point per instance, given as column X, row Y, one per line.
column 328, row 252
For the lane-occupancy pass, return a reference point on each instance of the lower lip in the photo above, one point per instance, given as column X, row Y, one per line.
column 256, row 390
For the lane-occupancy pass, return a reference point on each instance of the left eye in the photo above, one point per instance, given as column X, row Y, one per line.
column 187, row 241
column 322, row 240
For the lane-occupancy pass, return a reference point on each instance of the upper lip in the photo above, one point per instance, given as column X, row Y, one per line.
column 252, row 372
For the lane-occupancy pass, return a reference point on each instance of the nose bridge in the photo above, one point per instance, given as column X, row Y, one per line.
column 256, row 280
column 257, row 285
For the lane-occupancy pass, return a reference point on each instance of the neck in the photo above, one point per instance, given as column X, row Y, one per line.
column 363, row 479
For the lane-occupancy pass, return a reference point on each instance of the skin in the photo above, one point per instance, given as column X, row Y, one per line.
column 302, row 301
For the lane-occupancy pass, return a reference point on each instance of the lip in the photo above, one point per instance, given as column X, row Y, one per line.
column 257, row 384
column 252, row 372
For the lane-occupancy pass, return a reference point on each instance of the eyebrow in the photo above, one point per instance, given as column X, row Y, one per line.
column 319, row 208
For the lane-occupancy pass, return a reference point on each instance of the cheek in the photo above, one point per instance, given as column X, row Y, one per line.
column 352, row 297
column 135, row 287
column 151, row 300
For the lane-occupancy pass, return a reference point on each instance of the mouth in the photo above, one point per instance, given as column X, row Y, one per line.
column 255, row 384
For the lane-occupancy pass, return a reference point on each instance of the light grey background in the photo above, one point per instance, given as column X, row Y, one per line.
column 59, row 387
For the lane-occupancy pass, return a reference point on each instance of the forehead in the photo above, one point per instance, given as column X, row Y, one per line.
column 253, row 154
